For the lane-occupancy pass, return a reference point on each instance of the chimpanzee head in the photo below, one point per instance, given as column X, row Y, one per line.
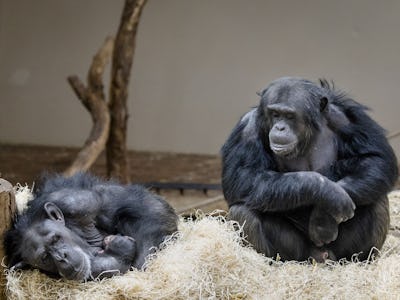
column 291, row 111
column 41, row 240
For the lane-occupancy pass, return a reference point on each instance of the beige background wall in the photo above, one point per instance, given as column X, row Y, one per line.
column 197, row 66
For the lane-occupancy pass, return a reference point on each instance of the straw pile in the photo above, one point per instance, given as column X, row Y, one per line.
column 207, row 260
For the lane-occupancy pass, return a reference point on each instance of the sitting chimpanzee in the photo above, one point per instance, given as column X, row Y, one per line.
column 307, row 173
column 81, row 227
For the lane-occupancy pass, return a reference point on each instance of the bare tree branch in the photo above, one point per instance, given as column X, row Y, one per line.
column 92, row 97
column 100, row 60
column 79, row 89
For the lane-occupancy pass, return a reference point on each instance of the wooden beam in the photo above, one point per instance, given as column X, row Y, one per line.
column 7, row 212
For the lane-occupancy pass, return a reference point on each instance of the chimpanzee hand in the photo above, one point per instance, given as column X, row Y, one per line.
column 120, row 246
column 336, row 202
column 322, row 228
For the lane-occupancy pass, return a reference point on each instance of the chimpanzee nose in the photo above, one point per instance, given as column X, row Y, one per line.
column 280, row 127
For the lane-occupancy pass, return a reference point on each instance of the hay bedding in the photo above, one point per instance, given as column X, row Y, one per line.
column 206, row 260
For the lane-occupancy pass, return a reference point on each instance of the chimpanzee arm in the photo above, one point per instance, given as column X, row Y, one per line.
column 249, row 177
column 371, row 174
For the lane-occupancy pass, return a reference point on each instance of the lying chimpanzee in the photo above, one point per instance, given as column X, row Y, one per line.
column 81, row 227
column 307, row 173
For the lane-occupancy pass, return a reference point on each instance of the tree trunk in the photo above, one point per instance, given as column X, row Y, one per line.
column 117, row 158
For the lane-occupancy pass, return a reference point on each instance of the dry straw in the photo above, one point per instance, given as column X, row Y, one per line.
column 207, row 260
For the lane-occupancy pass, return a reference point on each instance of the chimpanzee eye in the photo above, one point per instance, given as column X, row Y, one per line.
column 290, row 116
column 275, row 114
column 45, row 257
column 55, row 238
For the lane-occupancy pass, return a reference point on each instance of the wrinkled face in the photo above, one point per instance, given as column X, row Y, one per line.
column 286, row 129
column 50, row 246
column 291, row 108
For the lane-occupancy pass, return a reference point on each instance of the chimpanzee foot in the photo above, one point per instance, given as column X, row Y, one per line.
column 322, row 255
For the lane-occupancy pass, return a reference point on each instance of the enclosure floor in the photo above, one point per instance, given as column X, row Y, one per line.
column 25, row 163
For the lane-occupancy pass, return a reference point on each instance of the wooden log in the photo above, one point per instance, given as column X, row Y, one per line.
column 7, row 212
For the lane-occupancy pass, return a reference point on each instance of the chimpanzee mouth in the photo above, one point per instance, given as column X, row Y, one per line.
column 283, row 150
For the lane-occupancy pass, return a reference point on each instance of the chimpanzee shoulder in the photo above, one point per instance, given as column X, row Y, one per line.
column 52, row 182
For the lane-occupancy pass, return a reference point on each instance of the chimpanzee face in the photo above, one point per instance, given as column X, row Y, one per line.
column 286, row 127
column 50, row 246
column 291, row 111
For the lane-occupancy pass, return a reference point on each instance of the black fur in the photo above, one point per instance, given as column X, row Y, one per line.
column 124, row 210
column 262, row 190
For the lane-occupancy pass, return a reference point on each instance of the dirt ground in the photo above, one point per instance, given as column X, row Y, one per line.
column 25, row 163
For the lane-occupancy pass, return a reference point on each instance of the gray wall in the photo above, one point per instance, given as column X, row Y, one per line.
column 197, row 66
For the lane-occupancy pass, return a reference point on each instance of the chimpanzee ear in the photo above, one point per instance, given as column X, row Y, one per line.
column 53, row 212
column 323, row 104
